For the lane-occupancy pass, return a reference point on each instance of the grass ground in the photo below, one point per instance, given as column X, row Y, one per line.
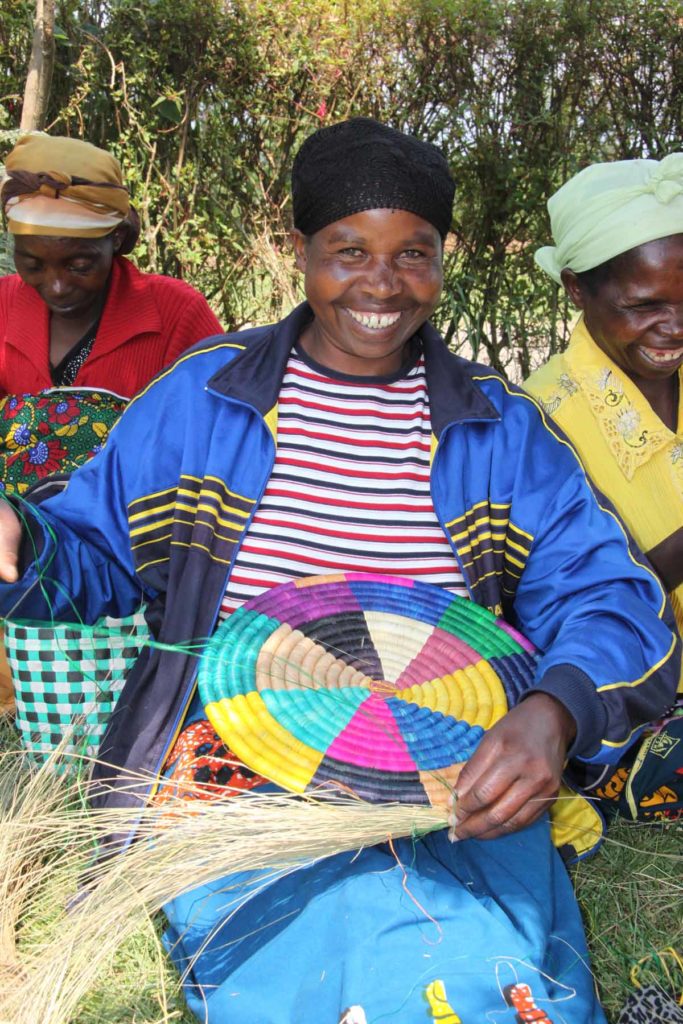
column 631, row 894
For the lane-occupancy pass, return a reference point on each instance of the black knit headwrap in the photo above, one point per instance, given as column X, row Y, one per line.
column 361, row 164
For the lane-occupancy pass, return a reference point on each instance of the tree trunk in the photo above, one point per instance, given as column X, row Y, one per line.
column 37, row 91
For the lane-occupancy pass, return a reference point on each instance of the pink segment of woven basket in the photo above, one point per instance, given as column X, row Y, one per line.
column 440, row 654
column 511, row 631
column 376, row 577
column 372, row 739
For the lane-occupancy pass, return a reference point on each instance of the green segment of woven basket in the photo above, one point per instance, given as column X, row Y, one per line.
column 477, row 627
column 228, row 665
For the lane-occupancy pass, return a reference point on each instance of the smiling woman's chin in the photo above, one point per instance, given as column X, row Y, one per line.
column 359, row 352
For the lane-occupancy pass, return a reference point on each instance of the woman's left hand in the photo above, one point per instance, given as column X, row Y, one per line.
column 515, row 772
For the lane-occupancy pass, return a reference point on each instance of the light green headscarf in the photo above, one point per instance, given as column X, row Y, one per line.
column 609, row 208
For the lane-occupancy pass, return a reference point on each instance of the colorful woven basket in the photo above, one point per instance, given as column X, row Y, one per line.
column 67, row 680
column 381, row 685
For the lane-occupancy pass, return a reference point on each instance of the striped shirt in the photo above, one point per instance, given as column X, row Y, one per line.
column 349, row 489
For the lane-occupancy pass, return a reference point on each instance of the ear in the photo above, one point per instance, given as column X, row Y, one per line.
column 573, row 288
column 117, row 237
column 300, row 243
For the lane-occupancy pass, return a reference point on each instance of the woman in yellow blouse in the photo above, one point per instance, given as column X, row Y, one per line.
column 615, row 391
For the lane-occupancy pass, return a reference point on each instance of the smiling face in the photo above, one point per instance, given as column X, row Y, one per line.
column 634, row 311
column 69, row 274
column 372, row 280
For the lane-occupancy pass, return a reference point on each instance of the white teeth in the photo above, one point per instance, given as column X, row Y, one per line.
column 662, row 356
column 374, row 320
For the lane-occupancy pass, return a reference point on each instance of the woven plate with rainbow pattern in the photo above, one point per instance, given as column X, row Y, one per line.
column 381, row 685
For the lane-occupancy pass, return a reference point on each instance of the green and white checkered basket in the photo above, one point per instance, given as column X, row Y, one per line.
column 67, row 681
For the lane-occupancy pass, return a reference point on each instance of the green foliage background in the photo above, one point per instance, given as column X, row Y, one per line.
column 206, row 101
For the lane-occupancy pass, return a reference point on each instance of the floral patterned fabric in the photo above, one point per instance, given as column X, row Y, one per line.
column 585, row 380
column 201, row 767
column 54, row 431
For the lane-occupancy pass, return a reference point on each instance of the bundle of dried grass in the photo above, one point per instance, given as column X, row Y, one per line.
column 52, row 956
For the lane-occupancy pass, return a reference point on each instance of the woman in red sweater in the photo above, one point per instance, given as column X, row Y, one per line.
column 77, row 314
column 81, row 329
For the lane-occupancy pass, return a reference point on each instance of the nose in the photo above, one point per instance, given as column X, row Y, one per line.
column 674, row 325
column 54, row 284
column 381, row 279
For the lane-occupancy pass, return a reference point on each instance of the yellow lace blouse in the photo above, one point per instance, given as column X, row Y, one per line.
column 631, row 455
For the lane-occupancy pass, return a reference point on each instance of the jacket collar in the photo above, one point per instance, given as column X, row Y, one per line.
column 255, row 376
column 454, row 396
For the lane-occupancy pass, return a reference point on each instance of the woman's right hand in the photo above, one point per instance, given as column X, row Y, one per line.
column 10, row 540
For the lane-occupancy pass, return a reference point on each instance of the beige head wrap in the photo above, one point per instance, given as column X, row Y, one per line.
column 610, row 208
column 63, row 187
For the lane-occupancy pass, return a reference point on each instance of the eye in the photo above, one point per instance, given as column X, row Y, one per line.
column 351, row 251
column 413, row 254
column 81, row 266
column 28, row 263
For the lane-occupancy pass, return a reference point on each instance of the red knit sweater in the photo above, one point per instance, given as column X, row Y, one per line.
column 147, row 321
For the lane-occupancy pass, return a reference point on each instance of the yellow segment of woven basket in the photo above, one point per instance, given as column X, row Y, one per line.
column 256, row 738
column 473, row 694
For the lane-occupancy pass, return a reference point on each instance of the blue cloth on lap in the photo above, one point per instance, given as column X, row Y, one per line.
column 344, row 931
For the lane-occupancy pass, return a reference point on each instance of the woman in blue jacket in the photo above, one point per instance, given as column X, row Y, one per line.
column 348, row 437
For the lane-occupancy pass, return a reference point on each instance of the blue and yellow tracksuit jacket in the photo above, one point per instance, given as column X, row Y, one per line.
column 159, row 515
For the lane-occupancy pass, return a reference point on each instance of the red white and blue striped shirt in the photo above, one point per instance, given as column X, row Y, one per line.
column 349, row 489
